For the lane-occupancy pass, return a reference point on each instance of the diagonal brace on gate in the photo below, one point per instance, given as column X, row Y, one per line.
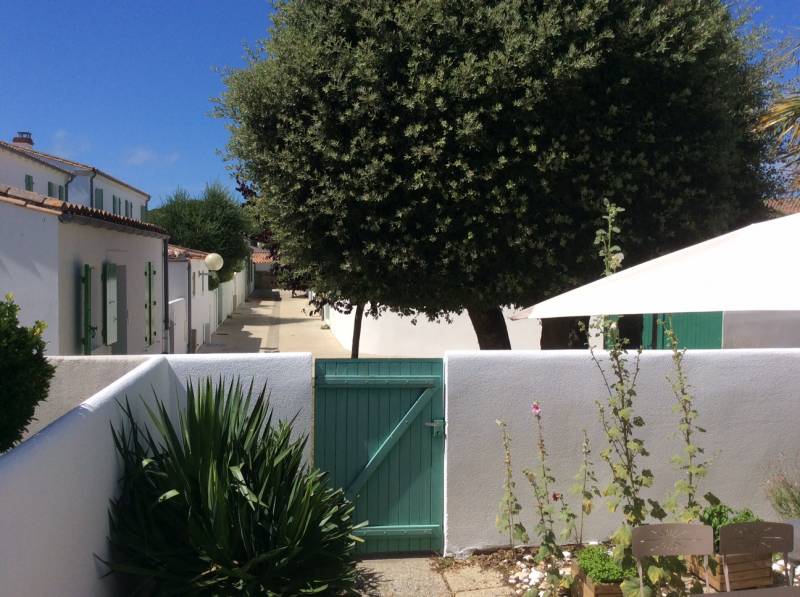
column 386, row 446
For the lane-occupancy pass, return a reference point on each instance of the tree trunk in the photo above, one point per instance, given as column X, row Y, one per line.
column 563, row 333
column 490, row 327
column 357, row 332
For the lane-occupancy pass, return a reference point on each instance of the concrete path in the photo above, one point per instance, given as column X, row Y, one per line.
column 413, row 576
column 278, row 324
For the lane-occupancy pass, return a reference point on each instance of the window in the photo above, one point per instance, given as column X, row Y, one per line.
column 115, row 204
column 98, row 198
column 128, row 209
column 28, row 182
column 143, row 213
column 194, row 283
column 51, row 189
column 61, row 192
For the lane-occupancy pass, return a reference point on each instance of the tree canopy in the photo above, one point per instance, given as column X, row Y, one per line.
column 212, row 222
column 438, row 156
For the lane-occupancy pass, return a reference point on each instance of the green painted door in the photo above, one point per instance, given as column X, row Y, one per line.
column 694, row 330
column 379, row 434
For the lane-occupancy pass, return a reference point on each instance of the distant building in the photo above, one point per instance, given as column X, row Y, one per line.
column 97, row 279
column 23, row 167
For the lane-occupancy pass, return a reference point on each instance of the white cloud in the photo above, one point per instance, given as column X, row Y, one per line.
column 141, row 156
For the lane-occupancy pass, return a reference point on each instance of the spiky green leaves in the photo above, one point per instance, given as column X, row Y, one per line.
column 220, row 502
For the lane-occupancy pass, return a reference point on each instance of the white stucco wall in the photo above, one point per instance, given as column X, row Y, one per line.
column 29, row 266
column 745, row 399
column 14, row 167
column 77, row 379
column 81, row 244
column 394, row 336
column 111, row 188
column 761, row 329
column 56, row 486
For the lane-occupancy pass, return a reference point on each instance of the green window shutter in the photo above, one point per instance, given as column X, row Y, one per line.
column 98, row 198
column 61, row 192
column 87, row 330
column 194, row 283
column 51, row 189
column 110, row 303
column 151, row 322
column 28, row 182
column 143, row 213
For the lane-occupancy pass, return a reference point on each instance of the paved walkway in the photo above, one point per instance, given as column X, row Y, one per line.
column 413, row 576
column 278, row 324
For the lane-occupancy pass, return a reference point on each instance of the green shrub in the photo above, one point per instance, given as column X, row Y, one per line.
column 718, row 515
column 783, row 489
column 24, row 370
column 601, row 567
column 224, row 505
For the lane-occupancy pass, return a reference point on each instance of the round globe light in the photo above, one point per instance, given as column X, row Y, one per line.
column 214, row 262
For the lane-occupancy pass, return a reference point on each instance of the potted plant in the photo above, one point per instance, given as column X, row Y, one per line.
column 746, row 571
column 596, row 573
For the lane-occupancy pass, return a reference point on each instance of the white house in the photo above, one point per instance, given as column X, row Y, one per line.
column 95, row 278
column 23, row 167
column 193, row 305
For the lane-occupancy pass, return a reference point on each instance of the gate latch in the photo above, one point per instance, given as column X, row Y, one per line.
column 438, row 427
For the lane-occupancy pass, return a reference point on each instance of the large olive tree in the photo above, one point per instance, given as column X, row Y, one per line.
column 442, row 155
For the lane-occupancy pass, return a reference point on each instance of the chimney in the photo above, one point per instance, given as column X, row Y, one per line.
column 23, row 139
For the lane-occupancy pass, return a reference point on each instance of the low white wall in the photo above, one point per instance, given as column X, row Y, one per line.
column 394, row 336
column 75, row 380
column 747, row 400
column 55, row 490
column 56, row 486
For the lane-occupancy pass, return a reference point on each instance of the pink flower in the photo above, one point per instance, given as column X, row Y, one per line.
column 536, row 409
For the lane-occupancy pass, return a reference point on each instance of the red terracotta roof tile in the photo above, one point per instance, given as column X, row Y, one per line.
column 30, row 200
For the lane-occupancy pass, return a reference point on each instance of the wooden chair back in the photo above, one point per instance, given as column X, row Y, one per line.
column 672, row 539
column 756, row 538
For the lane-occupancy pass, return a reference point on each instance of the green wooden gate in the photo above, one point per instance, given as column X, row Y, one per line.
column 694, row 330
column 379, row 433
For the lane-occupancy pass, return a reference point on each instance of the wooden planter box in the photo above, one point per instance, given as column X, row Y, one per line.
column 583, row 586
column 746, row 571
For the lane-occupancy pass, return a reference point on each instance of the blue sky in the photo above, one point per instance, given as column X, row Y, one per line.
column 126, row 85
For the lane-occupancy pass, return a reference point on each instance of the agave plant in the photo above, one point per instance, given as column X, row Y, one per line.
column 222, row 503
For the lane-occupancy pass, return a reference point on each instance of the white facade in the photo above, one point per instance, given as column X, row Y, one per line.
column 394, row 336
column 188, row 280
column 77, row 183
column 29, row 267
column 15, row 168
column 44, row 252
column 79, row 245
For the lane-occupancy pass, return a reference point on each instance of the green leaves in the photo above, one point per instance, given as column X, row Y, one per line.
column 507, row 519
column 497, row 130
column 220, row 502
column 25, row 372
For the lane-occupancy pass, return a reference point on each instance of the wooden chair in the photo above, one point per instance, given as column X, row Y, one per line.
column 671, row 539
column 794, row 555
column 755, row 538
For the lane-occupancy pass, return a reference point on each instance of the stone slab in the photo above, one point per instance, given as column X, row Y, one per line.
column 471, row 578
column 398, row 577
